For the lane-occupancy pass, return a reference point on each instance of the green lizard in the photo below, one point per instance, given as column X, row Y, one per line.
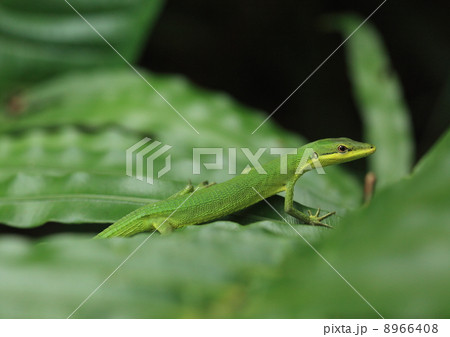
column 208, row 202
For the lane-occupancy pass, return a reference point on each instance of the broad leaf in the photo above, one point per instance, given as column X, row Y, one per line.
column 114, row 110
column 28, row 200
column 206, row 271
column 394, row 252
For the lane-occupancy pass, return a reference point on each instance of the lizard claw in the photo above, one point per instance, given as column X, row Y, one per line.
column 325, row 216
column 317, row 213
column 324, row 225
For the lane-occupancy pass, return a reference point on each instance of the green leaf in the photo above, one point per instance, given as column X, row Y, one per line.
column 70, row 176
column 114, row 110
column 204, row 271
column 379, row 96
column 28, row 199
column 394, row 252
column 65, row 150
column 42, row 38
column 120, row 97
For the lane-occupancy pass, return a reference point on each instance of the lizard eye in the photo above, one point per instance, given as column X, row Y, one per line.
column 342, row 148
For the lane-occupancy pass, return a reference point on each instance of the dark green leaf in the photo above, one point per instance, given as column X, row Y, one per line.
column 42, row 38
column 380, row 99
column 199, row 272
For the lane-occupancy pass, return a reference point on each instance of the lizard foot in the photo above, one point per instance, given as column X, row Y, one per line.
column 315, row 220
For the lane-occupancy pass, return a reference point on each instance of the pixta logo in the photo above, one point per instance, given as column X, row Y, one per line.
column 146, row 149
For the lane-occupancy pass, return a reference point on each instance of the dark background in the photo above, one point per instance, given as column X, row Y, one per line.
column 260, row 51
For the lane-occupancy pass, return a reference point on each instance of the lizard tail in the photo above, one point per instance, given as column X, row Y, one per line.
column 127, row 226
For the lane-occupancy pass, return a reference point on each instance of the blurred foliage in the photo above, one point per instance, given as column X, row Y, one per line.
column 394, row 252
column 42, row 38
column 379, row 96
column 62, row 146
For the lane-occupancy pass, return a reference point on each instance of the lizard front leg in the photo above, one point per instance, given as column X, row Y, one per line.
column 313, row 220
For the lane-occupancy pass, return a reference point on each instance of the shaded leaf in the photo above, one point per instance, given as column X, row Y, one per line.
column 65, row 150
column 38, row 39
column 219, row 263
column 29, row 200
column 379, row 96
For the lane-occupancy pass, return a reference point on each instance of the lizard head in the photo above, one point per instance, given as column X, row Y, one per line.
column 332, row 151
